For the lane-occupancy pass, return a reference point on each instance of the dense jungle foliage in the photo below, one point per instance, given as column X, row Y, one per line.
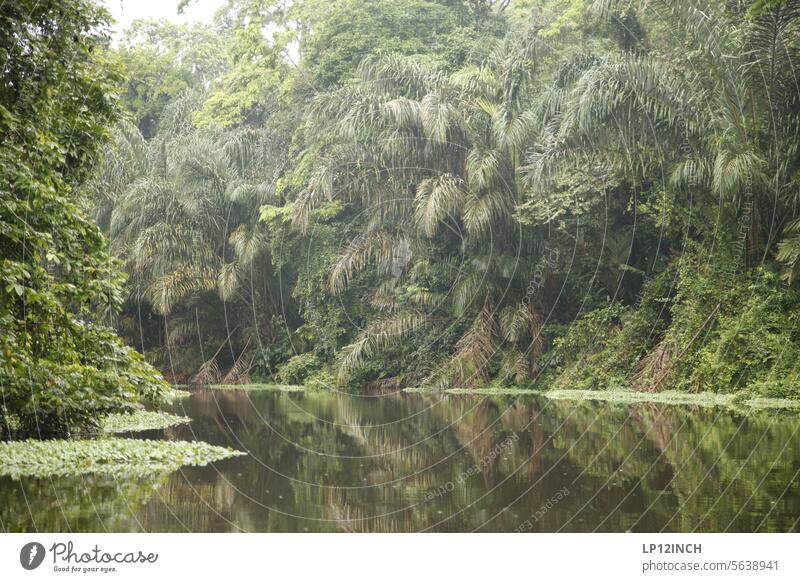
column 63, row 367
column 371, row 194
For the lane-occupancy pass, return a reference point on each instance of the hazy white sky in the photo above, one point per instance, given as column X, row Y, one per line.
column 126, row 11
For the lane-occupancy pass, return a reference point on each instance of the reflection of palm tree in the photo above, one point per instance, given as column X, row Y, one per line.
column 535, row 458
column 383, row 445
column 660, row 427
column 353, row 519
column 523, row 417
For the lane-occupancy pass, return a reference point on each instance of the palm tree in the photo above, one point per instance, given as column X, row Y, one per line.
column 717, row 115
column 713, row 112
column 431, row 162
column 182, row 212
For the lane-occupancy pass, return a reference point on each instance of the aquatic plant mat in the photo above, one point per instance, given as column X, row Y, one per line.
column 672, row 397
column 121, row 458
column 258, row 387
column 176, row 394
column 142, row 420
column 629, row 397
column 491, row 391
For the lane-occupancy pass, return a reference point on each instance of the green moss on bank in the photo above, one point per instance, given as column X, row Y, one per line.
column 121, row 458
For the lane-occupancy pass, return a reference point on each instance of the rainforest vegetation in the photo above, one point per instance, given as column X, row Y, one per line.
column 373, row 195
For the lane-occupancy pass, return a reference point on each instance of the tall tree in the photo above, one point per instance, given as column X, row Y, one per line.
column 182, row 212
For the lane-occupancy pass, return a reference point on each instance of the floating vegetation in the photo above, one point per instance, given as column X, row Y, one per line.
column 176, row 394
column 492, row 391
column 483, row 391
column 121, row 458
column 708, row 399
column 773, row 403
column 673, row 397
column 630, row 397
column 259, row 387
column 142, row 420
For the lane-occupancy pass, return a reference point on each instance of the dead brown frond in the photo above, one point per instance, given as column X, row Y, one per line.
column 655, row 367
column 536, row 347
column 209, row 373
column 240, row 371
column 475, row 349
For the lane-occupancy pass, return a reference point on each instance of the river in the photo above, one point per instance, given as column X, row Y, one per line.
column 324, row 461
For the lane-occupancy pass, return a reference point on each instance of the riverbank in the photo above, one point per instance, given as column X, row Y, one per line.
column 670, row 397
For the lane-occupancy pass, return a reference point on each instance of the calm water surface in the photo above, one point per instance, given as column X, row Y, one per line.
column 412, row 462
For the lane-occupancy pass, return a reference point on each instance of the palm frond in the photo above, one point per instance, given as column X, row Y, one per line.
column 476, row 348
column 208, row 373
column 436, row 199
column 376, row 248
column 398, row 75
column 169, row 289
column 732, row 171
column 239, row 373
column 228, row 280
column 482, row 214
column 379, row 336
column 247, row 242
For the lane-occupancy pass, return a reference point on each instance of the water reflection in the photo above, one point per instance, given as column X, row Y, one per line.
column 331, row 462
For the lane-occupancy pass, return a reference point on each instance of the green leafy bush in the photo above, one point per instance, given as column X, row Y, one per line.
column 297, row 368
column 701, row 326
column 59, row 372
column 755, row 344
